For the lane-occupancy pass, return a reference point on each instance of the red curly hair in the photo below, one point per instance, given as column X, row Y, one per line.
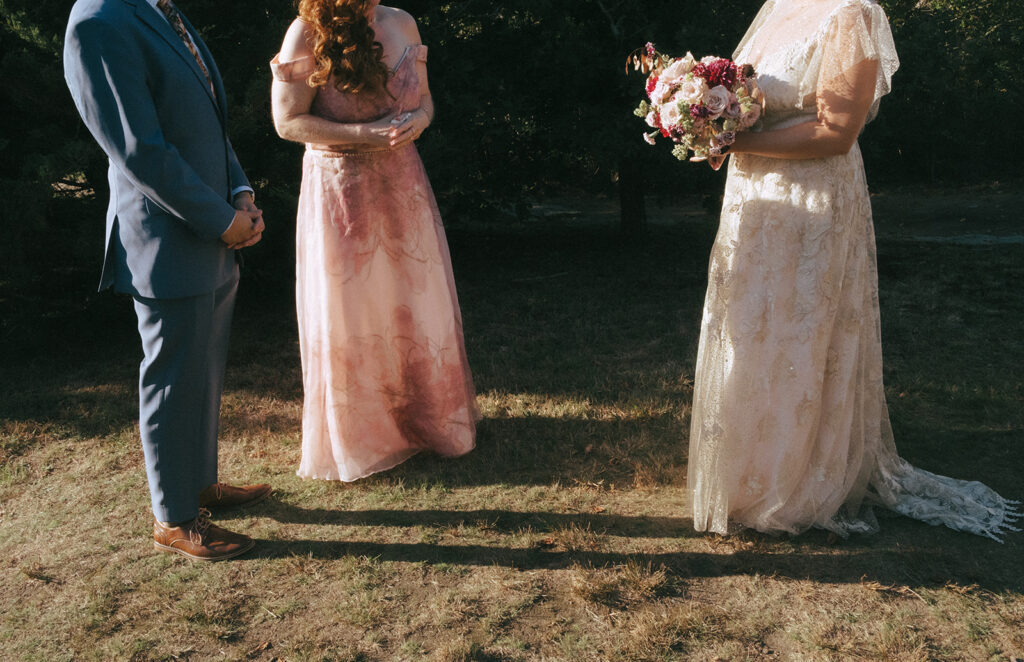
column 345, row 46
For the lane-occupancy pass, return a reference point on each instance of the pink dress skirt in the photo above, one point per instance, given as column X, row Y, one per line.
column 384, row 366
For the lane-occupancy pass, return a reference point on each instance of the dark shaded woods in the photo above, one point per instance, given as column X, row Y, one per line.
column 532, row 100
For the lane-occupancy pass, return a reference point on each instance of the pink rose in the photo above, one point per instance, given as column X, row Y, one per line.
column 717, row 100
column 750, row 117
column 649, row 138
column 724, row 138
column 652, row 120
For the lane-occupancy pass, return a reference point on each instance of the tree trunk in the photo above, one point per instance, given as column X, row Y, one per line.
column 633, row 212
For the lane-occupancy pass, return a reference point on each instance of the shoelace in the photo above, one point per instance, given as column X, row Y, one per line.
column 199, row 529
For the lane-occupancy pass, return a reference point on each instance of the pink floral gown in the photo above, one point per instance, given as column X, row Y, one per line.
column 384, row 366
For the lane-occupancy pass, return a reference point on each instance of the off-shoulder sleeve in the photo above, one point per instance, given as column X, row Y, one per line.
column 292, row 70
column 857, row 31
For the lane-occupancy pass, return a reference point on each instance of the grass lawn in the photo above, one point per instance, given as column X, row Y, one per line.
column 564, row 535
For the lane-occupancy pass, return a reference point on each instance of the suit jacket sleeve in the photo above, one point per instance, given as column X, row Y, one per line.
column 105, row 74
column 238, row 178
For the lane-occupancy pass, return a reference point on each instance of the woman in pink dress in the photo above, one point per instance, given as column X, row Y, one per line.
column 384, row 365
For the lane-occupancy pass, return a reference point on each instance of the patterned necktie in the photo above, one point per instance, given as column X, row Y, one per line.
column 174, row 18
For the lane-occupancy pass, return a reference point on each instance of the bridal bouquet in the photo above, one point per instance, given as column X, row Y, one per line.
column 700, row 105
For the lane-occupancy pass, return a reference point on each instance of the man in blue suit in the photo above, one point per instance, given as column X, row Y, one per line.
column 180, row 207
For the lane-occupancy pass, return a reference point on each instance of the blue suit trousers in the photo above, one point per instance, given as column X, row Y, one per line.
column 185, row 343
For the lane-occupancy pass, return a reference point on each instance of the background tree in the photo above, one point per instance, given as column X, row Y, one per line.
column 532, row 99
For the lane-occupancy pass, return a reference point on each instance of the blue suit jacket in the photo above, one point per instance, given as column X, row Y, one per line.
column 172, row 167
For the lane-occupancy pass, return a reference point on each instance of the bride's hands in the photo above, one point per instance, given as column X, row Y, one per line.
column 716, row 160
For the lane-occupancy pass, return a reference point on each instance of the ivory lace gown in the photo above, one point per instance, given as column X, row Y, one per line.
column 384, row 367
column 790, row 428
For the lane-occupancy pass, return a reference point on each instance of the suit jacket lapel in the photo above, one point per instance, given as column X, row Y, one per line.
column 150, row 16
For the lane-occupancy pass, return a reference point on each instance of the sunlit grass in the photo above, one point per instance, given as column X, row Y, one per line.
column 564, row 535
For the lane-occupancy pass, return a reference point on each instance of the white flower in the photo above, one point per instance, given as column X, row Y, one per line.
column 692, row 91
column 651, row 121
column 708, row 59
column 661, row 91
column 679, row 68
column 717, row 100
column 670, row 113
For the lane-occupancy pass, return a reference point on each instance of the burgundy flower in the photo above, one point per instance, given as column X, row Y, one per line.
column 719, row 72
column 699, row 111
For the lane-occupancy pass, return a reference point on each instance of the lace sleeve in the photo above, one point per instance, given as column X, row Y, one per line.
column 759, row 20
column 857, row 31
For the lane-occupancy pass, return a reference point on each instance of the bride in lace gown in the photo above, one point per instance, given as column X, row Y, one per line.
column 384, row 368
column 790, row 428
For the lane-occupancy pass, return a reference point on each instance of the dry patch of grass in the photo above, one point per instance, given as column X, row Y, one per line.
column 564, row 535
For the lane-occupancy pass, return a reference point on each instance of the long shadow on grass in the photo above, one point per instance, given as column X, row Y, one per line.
column 890, row 566
column 498, row 521
column 905, row 552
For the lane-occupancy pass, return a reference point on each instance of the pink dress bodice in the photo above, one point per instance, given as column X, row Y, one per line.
column 403, row 93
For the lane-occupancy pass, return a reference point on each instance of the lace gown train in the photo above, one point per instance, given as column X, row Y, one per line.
column 790, row 428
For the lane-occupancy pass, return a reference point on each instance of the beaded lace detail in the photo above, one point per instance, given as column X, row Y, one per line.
column 790, row 428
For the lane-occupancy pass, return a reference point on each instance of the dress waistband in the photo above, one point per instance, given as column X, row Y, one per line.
column 337, row 153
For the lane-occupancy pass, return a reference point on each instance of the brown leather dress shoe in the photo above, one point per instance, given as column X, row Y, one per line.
column 222, row 495
column 200, row 540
